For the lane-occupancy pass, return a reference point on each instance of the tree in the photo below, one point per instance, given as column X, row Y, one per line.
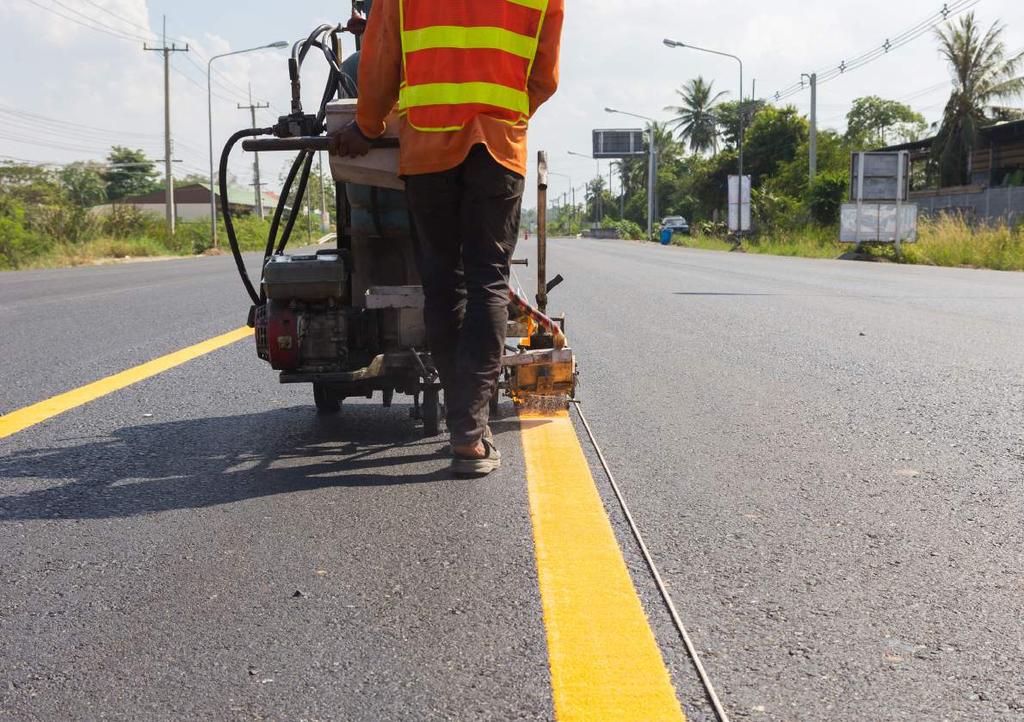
column 130, row 174
column 695, row 118
column 728, row 116
column 31, row 185
column 772, row 140
column 84, row 184
column 982, row 76
column 876, row 122
column 595, row 196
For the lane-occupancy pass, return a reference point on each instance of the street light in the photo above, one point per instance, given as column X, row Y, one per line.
column 572, row 214
column 598, row 209
column 652, row 166
column 677, row 44
column 280, row 44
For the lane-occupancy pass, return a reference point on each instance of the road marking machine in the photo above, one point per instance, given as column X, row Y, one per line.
column 348, row 319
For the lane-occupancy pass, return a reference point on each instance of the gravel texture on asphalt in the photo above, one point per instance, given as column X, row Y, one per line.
column 826, row 458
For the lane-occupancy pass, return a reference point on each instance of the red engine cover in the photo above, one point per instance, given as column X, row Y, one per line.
column 277, row 336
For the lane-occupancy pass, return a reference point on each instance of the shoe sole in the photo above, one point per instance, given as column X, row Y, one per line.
column 475, row 467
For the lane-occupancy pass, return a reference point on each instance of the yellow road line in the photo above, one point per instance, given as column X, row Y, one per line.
column 22, row 419
column 605, row 661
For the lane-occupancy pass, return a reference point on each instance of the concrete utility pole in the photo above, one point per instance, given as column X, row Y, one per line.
column 325, row 215
column 252, row 108
column 168, row 157
column 813, row 154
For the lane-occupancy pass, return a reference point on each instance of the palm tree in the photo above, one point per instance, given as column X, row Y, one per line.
column 982, row 75
column 695, row 117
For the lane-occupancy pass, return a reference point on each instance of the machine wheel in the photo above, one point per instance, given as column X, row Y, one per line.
column 431, row 412
column 326, row 403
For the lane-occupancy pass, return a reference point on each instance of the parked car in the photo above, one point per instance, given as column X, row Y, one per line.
column 678, row 225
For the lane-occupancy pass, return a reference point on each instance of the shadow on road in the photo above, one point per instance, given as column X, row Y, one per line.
column 754, row 295
column 157, row 467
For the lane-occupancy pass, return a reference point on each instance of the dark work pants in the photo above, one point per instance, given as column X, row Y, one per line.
column 467, row 222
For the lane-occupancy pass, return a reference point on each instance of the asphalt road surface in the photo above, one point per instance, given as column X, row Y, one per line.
column 825, row 456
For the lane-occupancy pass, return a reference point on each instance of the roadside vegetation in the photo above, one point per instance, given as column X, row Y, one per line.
column 48, row 217
column 698, row 149
column 943, row 241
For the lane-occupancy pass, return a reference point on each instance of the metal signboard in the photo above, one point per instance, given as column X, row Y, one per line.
column 878, row 223
column 879, row 213
column 739, row 204
column 886, row 177
column 619, row 143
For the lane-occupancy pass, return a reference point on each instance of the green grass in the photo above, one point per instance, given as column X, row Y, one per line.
column 947, row 241
column 950, row 241
column 148, row 240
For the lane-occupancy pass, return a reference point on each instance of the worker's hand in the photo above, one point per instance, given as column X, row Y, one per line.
column 356, row 24
column 349, row 142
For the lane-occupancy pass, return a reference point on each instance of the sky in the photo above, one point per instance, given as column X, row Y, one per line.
column 105, row 88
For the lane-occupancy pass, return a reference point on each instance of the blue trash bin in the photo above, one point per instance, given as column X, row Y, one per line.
column 666, row 236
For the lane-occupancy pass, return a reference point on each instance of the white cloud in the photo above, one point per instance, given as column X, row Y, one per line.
column 612, row 55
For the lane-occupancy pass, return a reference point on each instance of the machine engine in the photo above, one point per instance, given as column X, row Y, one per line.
column 304, row 326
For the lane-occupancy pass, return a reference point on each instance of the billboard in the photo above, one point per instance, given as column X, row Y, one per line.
column 619, row 143
column 886, row 177
column 739, row 204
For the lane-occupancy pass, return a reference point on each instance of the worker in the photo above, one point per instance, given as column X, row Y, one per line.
column 467, row 76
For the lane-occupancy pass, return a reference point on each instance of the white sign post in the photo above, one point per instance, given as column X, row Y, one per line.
column 879, row 211
column 739, row 204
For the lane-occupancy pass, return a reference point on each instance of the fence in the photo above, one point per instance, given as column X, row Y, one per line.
column 1003, row 203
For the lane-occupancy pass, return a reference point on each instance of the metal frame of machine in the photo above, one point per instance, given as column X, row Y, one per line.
column 348, row 319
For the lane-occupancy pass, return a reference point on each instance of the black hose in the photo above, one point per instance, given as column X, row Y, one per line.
column 299, row 194
column 275, row 224
column 225, row 206
column 336, row 87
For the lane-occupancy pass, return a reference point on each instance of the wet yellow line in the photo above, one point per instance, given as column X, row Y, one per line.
column 605, row 661
column 29, row 416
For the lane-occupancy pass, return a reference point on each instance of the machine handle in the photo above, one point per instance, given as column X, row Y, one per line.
column 314, row 143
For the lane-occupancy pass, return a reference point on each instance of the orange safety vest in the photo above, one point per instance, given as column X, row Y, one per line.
column 464, row 58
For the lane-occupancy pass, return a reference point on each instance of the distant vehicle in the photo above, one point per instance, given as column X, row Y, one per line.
column 678, row 225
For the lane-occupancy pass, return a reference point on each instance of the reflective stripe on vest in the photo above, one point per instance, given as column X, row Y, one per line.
column 466, row 58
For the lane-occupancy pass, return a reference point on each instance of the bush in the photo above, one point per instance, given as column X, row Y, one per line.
column 715, row 229
column 825, row 197
column 18, row 243
column 627, row 229
column 124, row 221
column 775, row 211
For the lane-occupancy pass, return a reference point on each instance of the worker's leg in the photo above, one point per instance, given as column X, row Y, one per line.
column 491, row 204
column 434, row 201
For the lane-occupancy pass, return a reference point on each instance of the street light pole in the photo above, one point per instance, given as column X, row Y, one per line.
column 677, row 44
column 209, row 105
column 572, row 213
column 652, row 167
column 598, row 200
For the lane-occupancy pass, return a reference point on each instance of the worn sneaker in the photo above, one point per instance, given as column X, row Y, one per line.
column 462, row 466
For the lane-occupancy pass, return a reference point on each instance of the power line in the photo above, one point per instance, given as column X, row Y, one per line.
column 46, row 120
column 114, row 33
column 63, row 130
column 87, row 21
column 125, row 20
column 948, row 10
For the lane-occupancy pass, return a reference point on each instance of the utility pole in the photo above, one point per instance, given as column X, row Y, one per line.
column 168, row 157
column 652, row 180
column 252, row 108
column 325, row 215
column 813, row 154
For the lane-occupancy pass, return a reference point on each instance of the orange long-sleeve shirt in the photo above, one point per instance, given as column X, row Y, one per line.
column 380, row 77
